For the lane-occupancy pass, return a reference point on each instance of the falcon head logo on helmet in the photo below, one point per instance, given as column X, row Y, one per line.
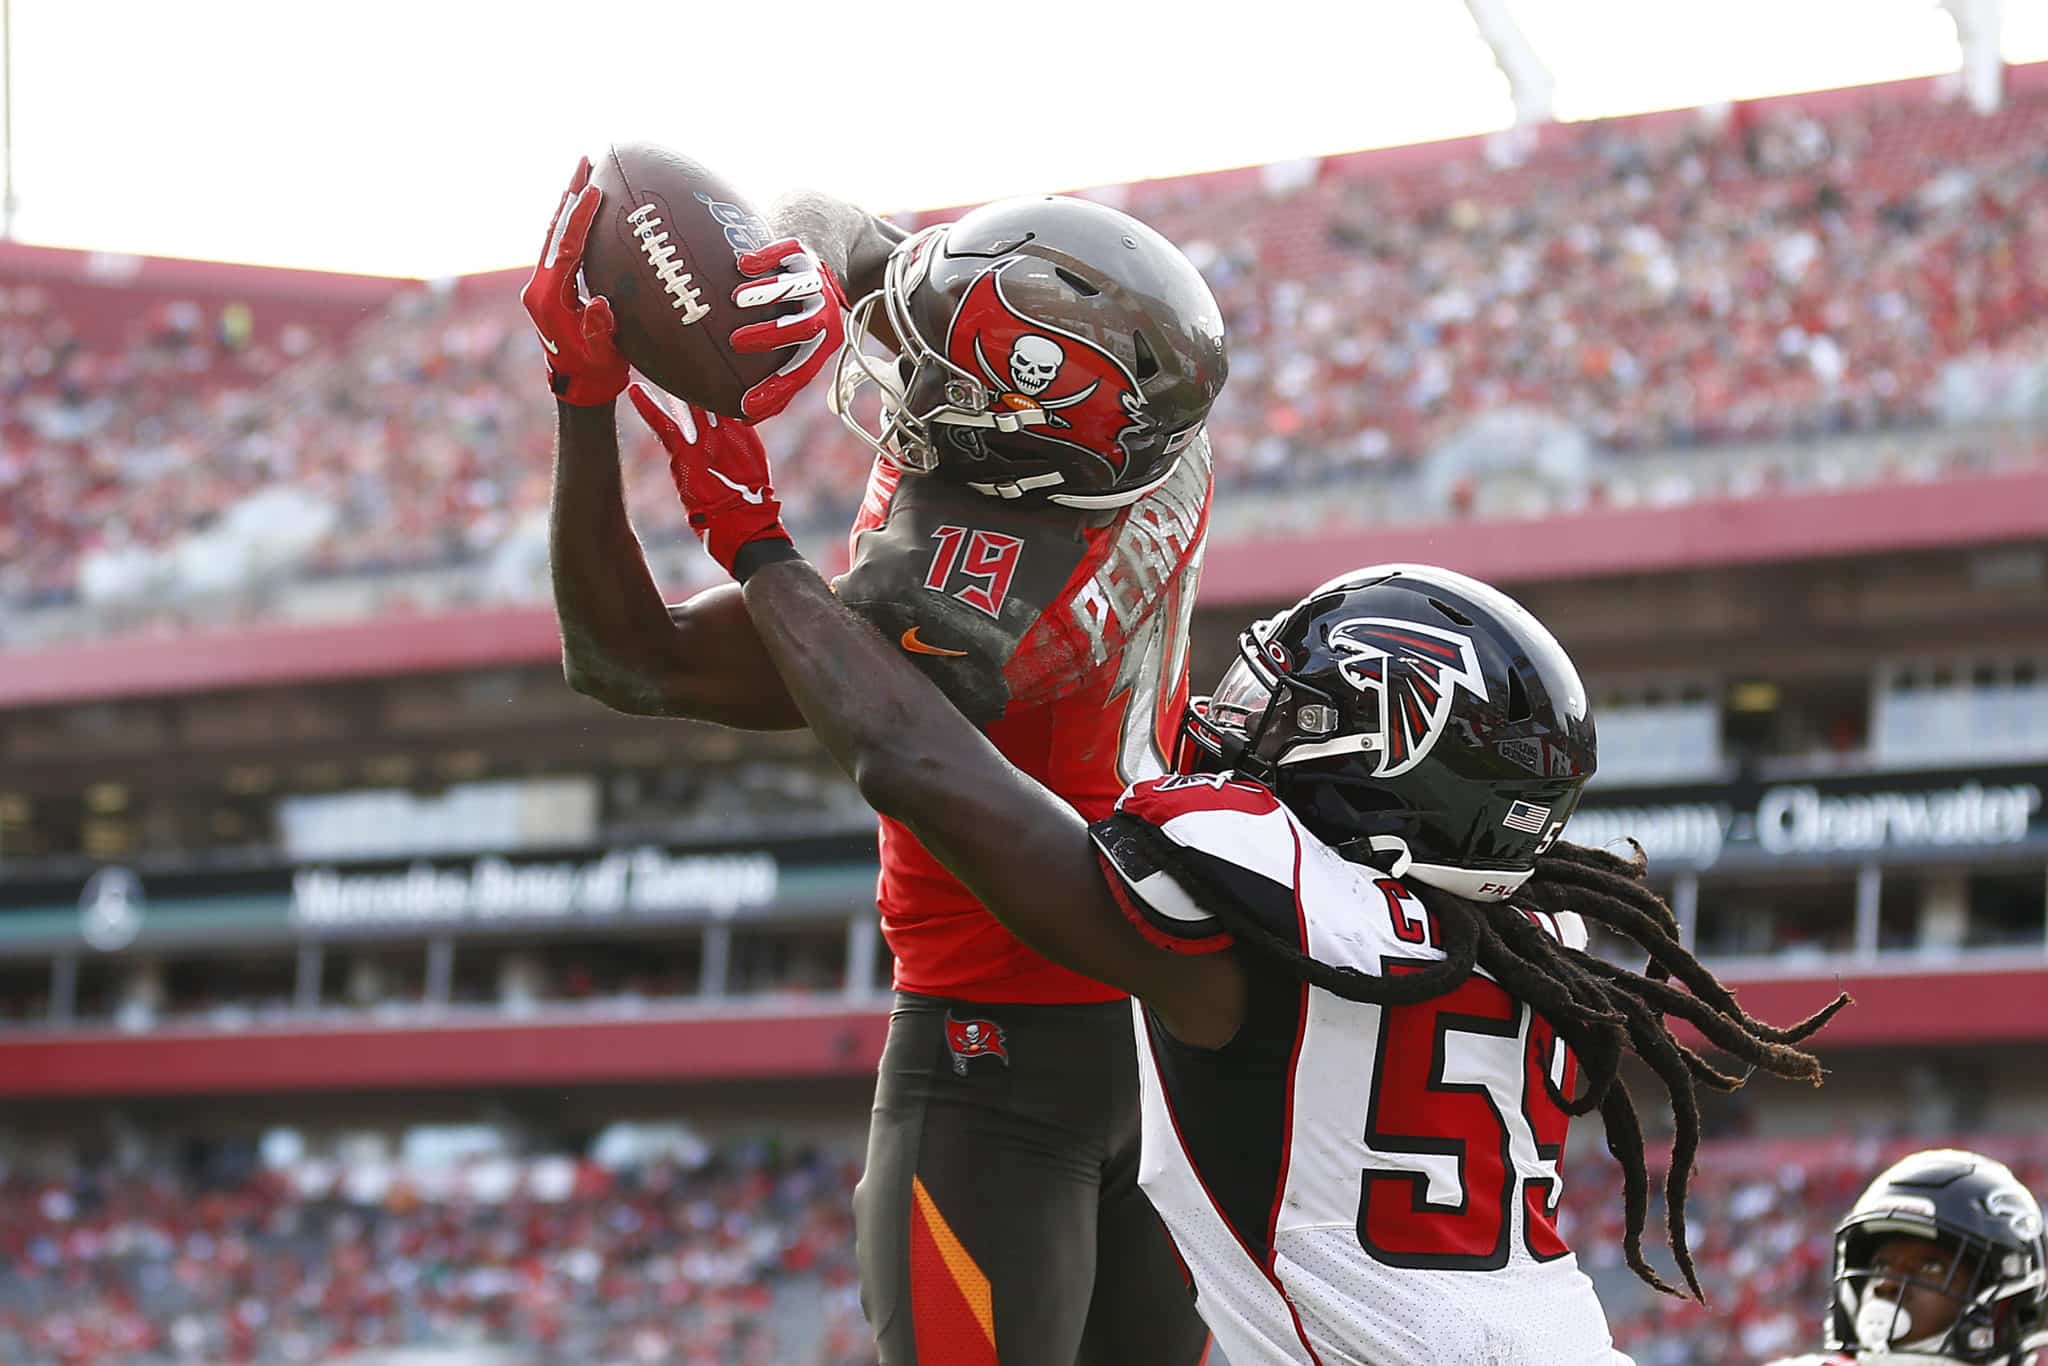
column 1412, row 718
column 1412, row 670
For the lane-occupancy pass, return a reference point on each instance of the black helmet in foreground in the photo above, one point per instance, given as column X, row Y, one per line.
column 1980, row 1286
column 1416, row 719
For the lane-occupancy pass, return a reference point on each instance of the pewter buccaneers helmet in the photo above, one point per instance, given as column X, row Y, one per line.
column 1052, row 348
column 1414, row 719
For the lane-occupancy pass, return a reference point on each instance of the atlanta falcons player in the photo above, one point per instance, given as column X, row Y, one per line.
column 1352, row 1135
column 1030, row 539
column 1941, row 1260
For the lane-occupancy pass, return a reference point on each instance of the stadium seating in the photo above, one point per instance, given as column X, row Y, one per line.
column 745, row 1260
column 1790, row 271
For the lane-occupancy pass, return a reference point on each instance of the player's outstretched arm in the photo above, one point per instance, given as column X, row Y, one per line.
column 1022, row 851
column 620, row 643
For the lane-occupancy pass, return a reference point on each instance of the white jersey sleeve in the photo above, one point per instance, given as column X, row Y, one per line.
column 1177, row 846
column 1347, row 1182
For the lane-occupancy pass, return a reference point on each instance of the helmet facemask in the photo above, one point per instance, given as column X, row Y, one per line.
column 921, row 390
column 1040, row 354
column 1873, row 1303
column 1988, row 1305
column 1222, row 730
column 1259, row 722
column 1401, row 732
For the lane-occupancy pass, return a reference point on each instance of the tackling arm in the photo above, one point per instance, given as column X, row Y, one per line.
column 621, row 644
column 1023, row 852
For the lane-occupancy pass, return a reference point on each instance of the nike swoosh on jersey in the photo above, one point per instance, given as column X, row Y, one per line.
column 553, row 350
column 750, row 495
column 911, row 643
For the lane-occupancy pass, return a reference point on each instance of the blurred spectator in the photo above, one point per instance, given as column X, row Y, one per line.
column 746, row 1257
column 745, row 1261
column 1651, row 285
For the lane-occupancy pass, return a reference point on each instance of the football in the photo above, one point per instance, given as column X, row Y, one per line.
column 664, row 250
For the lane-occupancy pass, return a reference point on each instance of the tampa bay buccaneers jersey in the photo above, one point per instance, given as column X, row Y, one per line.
column 1347, row 1182
column 1064, row 636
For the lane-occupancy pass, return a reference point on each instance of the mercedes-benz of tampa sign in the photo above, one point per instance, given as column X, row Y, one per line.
column 552, row 893
column 621, row 883
column 1838, row 819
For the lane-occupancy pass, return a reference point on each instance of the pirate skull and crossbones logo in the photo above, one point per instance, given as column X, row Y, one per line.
column 1035, row 362
column 974, row 1039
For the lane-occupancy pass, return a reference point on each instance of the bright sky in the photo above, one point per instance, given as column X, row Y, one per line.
column 431, row 137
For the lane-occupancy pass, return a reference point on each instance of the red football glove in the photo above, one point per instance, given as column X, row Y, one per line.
column 584, row 365
column 722, row 474
column 814, row 334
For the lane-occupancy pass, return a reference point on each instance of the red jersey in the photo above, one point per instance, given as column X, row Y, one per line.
column 1064, row 635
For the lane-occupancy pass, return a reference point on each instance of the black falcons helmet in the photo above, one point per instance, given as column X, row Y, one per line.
column 1052, row 348
column 1989, row 1222
column 1413, row 718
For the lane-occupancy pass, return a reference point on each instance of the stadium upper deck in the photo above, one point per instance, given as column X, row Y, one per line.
column 204, row 442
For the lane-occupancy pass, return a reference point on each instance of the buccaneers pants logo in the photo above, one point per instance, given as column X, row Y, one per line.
column 974, row 1039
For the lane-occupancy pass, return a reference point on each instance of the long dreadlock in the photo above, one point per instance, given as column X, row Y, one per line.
column 1599, row 1009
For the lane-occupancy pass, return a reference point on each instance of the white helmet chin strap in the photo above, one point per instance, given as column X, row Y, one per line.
column 1474, row 884
column 1394, row 844
column 1121, row 498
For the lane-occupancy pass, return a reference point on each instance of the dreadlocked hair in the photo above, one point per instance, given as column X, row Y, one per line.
column 1600, row 1010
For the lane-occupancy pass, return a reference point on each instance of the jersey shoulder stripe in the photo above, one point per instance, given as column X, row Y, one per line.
column 1149, row 896
column 1176, row 844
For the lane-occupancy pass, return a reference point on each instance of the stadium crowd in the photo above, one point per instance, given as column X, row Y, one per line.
column 745, row 1260
column 1653, row 283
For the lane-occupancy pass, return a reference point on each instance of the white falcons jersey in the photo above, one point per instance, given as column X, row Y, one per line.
column 1347, row 1183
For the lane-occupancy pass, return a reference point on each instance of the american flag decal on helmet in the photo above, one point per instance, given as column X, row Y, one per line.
column 1526, row 817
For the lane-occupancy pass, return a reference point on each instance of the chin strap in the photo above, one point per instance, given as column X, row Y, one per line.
column 1373, row 851
column 1395, row 845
